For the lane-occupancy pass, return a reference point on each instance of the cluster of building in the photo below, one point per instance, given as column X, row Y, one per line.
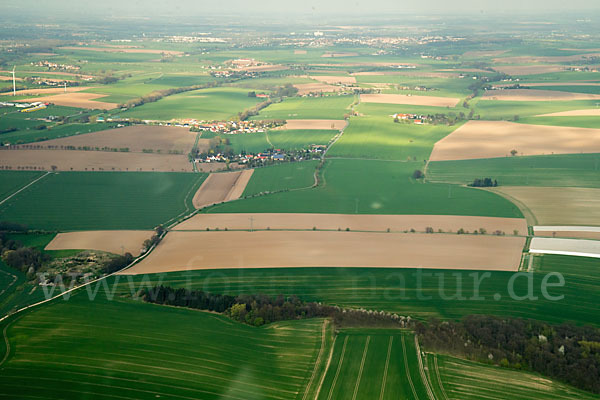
column 414, row 118
column 26, row 107
column 234, row 127
column 51, row 65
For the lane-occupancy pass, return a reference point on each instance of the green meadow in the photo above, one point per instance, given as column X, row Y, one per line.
column 205, row 104
column 328, row 107
column 567, row 170
column 102, row 200
column 285, row 176
column 66, row 349
column 377, row 187
column 11, row 181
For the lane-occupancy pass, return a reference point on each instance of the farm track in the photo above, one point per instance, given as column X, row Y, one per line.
column 24, row 187
column 326, row 369
column 385, row 370
column 407, row 370
column 362, row 366
column 317, row 361
column 339, row 367
column 422, row 370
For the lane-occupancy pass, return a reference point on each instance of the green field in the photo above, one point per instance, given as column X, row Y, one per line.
column 381, row 138
column 105, row 349
column 377, row 187
column 289, row 140
column 329, row 107
column 281, row 177
column 206, row 104
column 11, row 181
column 568, row 170
column 102, row 200
column 468, row 380
column 373, row 364
column 577, row 122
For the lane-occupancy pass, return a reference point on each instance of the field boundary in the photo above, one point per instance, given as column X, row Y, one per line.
column 422, row 370
column 318, row 360
column 326, row 368
column 407, row 370
column 24, row 187
column 385, row 370
column 339, row 368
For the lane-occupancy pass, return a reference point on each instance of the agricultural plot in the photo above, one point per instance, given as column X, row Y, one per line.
column 565, row 247
column 368, row 223
column 564, row 170
column 577, row 232
column 316, row 87
column 136, row 138
column 329, row 107
column 206, row 104
column 440, row 87
column 102, row 200
column 299, row 139
column 221, row 187
column 536, row 95
column 377, row 187
column 12, row 181
column 140, row 358
column 431, row 101
column 583, row 267
column 116, row 242
column 317, row 124
column 90, row 101
column 555, row 205
column 504, row 109
column 468, row 380
column 181, row 250
column 79, row 160
column 287, row 176
column 488, row 139
column 592, row 112
column 380, row 138
column 374, row 364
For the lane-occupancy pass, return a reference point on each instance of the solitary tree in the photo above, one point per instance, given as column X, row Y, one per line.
column 418, row 174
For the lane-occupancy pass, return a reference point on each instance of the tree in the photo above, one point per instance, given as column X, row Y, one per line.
column 418, row 174
column 513, row 152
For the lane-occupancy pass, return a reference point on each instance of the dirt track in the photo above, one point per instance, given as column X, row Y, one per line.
column 536, row 95
column 76, row 160
column 335, row 124
column 136, row 138
column 221, row 187
column 488, row 139
column 379, row 223
column 410, row 100
column 116, row 242
column 210, row 250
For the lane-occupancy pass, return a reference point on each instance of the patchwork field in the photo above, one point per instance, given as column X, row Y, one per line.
column 60, row 351
column 137, row 138
column 181, row 251
column 488, row 139
column 76, row 160
column 102, row 200
column 410, row 100
column 315, row 124
column 329, row 107
column 536, row 95
column 221, row 187
column 377, row 187
column 557, row 206
column 468, row 380
column 116, row 242
column 374, row 364
column 565, row 170
column 373, row 223
column 566, row 247
column 578, row 232
column 206, row 104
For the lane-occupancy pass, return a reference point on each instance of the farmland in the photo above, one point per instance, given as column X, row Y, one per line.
column 11, row 181
column 377, row 187
column 102, row 200
column 215, row 359
column 329, row 107
column 281, row 177
column 373, row 364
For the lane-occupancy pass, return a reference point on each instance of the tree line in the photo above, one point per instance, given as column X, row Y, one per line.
column 15, row 254
column 565, row 352
column 262, row 309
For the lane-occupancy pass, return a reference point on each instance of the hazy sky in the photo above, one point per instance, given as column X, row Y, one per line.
column 198, row 7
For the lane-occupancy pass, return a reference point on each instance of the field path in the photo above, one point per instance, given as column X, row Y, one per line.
column 385, row 371
column 339, row 367
column 422, row 370
column 317, row 361
column 439, row 377
column 24, row 187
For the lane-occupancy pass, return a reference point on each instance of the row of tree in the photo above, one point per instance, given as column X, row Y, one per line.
column 260, row 309
column 565, row 352
column 485, row 182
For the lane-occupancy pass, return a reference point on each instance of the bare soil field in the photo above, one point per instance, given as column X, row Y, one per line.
column 181, row 251
column 373, row 223
column 79, row 100
column 558, row 205
column 529, row 69
column 55, row 90
column 300, row 51
column 408, row 72
column 411, row 100
column 75, row 160
column 489, row 139
column 545, row 59
column 264, row 68
column 536, row 95
column 8, row 78
column 136, row 138
column 568, row 247
column 346, row 80
column 221, row 187
column 580, row 232
column 116, row 242
column 484, row 53
column 335, row 124
column 305, row 88
column 591, row 112
column 211, row 167
column 332, row 55
column 113, row 49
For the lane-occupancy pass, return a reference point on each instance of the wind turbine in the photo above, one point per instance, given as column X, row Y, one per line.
column 14, row 82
